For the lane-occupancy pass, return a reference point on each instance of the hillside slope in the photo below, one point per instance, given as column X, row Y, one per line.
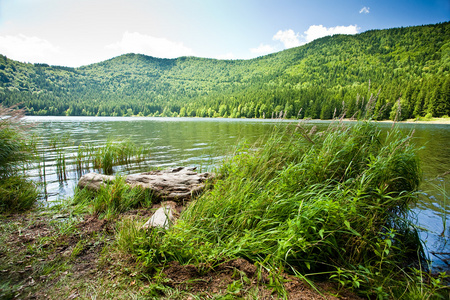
column 410, row 66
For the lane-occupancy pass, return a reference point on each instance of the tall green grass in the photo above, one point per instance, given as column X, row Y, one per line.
column 16, row 151
column 328, row 203
column 17, row 194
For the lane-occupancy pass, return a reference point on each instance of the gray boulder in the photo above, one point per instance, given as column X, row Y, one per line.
column 93, row 181
column 171, row 184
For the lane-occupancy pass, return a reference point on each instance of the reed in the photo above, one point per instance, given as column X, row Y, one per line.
column 84, row 158
column 441, row 189
column 59, row 144
column 79, row 158
column 61, row 166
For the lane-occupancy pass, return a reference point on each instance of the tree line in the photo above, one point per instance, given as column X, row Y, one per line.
column 406, row 70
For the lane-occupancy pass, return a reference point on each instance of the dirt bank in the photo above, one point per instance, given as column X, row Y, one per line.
column 45, row 255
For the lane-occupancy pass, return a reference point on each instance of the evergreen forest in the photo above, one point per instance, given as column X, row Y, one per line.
column 405, row 72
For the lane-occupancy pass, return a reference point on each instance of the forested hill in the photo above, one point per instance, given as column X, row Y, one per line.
column 410, row 66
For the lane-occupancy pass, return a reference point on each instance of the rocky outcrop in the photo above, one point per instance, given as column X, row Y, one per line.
column 173, row 184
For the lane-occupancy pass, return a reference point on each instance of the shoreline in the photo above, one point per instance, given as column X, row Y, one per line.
column 437, row 121
column 440, row 121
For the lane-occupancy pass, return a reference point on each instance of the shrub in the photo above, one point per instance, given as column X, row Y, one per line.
column 16, row 150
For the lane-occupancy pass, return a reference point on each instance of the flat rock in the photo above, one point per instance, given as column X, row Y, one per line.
column 171, row 184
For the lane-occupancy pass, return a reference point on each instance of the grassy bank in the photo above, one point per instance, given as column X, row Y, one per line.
column 321, row 206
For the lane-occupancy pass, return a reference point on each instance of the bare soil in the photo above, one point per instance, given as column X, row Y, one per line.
column 217, row 280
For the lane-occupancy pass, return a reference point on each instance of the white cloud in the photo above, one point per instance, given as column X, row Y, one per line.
column 288, row 37
column 27, row 49
column 262, row 49
column 145, row 44
column 364, row 10
column 318, row 31
column 291, row 39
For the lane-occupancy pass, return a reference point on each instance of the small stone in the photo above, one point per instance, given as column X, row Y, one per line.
column 163, row 217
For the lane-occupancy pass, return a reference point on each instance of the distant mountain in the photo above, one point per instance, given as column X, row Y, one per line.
column 407, row 66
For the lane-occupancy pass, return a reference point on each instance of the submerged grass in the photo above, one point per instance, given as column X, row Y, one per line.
column 89, row 157
column 112, row 154
column 331, row 203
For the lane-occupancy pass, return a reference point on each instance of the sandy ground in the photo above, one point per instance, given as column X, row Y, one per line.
column 414, row 121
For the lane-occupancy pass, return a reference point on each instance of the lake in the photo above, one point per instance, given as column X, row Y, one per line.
column 203, row 143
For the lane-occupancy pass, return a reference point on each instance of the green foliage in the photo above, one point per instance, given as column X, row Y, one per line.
column 319, row 78
column 308, row 202
column 111, row 199
column 16, row 193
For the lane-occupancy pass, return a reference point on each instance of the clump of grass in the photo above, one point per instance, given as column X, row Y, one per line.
column 111, row 199
column 16, row 151
column 332, row 202
column 17, row 194
column 104, row 158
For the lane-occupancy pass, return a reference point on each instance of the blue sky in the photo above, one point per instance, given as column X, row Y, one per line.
column 79, row 32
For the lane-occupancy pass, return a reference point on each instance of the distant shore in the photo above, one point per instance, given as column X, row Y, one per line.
column 432, row 121
column 438, row 121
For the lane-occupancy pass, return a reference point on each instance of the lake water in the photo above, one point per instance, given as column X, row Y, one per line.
column 203, row 143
